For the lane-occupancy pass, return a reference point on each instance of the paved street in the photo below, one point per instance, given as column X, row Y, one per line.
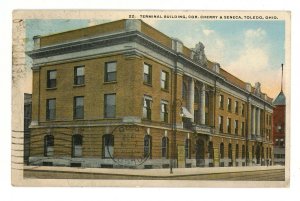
column 221, row 174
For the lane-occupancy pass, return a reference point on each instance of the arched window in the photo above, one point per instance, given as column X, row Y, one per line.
column 237, row 150
column 187, row 147
column 108, row 146
column 48, row 145
column 147, row 146
column 165, row 147
column 243, row 151
column 222, row 150
column 76, row 145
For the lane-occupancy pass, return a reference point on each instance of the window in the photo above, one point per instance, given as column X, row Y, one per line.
column 236, row 127
column 236, row 107
column 78, row 107
column 187, row 148
column 184, row 91
column 253, row 152
column 237, row 151
column 228, row 125
column 48, row 145
column 51, row 78
column 221, row 101
column 50, row 109
column 222, row 150
column 110, row 71
column 243, row 128
column 210, row 150
column 147, row 108
column 164, row 147
column 108, row 146
column 196, row 96
column 243, row 109
column 164, row 111
column 147, row 146
column 109, row 105
column 76, row 145
column 147, row 74
column 79, row 75
column 221, row 124
column 243, row 151
column 229, row 104
column 229, row 151
column 164, row 80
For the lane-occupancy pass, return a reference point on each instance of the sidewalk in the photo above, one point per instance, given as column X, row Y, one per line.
column 153, row 172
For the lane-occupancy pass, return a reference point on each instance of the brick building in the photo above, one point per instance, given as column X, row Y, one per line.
column 279, row 129
column 123, row 94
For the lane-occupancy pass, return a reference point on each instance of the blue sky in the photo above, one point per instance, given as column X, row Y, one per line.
column 251, row 50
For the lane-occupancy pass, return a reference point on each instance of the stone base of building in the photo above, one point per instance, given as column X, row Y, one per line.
column 136, row 163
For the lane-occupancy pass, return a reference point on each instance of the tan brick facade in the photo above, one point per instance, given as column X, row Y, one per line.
column 186, row 113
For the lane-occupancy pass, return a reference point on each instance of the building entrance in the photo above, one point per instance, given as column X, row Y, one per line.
column 200, row 150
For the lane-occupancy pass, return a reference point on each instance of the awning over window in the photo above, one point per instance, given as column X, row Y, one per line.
column 186, row 113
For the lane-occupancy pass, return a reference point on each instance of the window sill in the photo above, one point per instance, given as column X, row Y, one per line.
column 78, row 119
column 148, row 84
column 78, row 85
column 110, row 82
column 109, row 118
column 52, row 88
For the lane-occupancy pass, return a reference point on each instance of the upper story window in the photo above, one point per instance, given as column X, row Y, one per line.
column 164, row 80
column 147, row 74
column 243, row 109
column 164, row 111
column 236, row 107
column 184, row 91
column 243, row 128
column 79, row 75
column 51, row 78
column 147, row 108
column 229, row 104
column 236, row 127
column 110, row 72
column 109, row 105
column 79, row 107
column 228, row 125
column 221, row 124
column 221, row 101
column 51, row 109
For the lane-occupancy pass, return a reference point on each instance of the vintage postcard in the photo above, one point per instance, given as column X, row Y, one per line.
column 150, row 98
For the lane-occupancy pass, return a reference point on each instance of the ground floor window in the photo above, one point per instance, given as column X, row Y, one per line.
column 48, row 145
column 77, row 145
column 164, row 147
column 108, row 146
column 147, row 146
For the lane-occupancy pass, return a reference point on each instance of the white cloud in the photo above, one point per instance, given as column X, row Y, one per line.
column 253, row 62
column 207, row 32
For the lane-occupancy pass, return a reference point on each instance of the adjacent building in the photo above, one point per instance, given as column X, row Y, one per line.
column 27, row 121
column 123, row 94
column 279, row 129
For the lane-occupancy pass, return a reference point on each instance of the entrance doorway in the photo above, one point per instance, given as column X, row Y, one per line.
column 200, row 153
